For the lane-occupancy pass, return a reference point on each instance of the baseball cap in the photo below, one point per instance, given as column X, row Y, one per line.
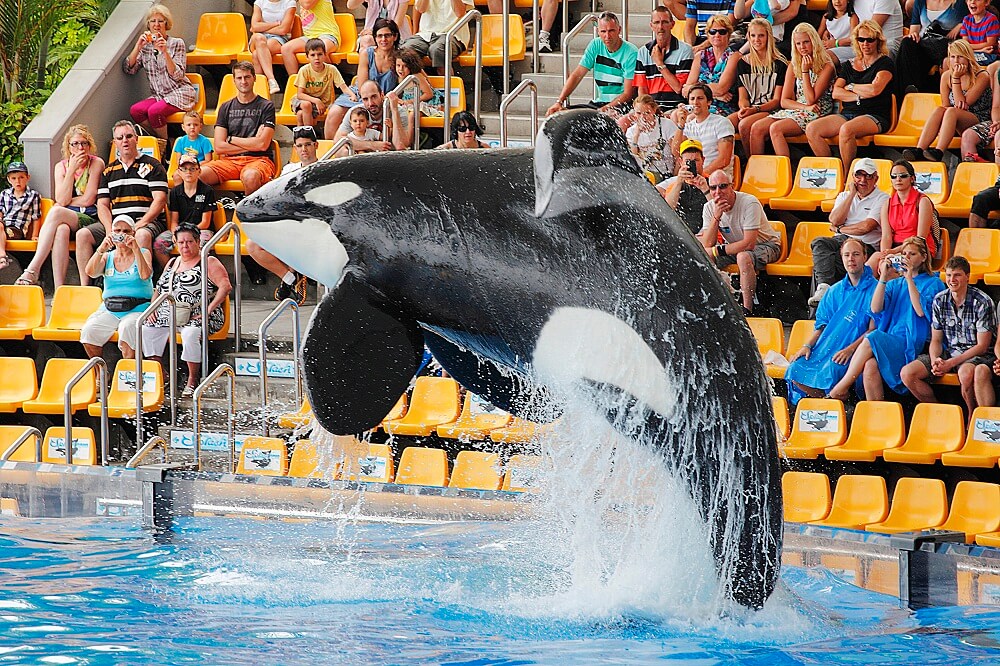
column 17, row 167
column 867, row 165
column 691, row 144
column 187, row 158
column 124, row 218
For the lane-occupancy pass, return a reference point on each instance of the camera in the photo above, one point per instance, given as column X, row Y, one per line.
column 118, row 238
column 896, row 261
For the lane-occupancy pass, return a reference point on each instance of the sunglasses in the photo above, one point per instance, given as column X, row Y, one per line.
column 189, row 167
column 79, row 144
column 899, row 176
column 384, row 35
column 720, row 186
column 124, row 137
column 718, row 31
column 466, row 128
column 867, row 40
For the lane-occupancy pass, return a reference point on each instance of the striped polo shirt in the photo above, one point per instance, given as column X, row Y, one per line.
column 678, row 60
column 131, row 190
column 702, row 10
column 611, row 70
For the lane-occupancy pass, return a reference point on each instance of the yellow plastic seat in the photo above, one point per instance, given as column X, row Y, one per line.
column 982, row 445
column 914, row 113
column 493, row 41
column 22, row 309
column 876, row 426
column 816, row 180
column 435, row 402
column 975, row 509
column 478, row 417
column 223, row 332
column 800, row 260
column 71, row 306
column 263, row 456
column 221, row 37
column 28, row 245
column 285, row 115
column 884, row 181
column 768, row 333
column 981, row 247
column 84, row 446
column 767, row 176
column 521, row 474
column 121, row 393
column 227, row 91
column 991, row 539
column 934, row 429
column 943, row 252
column 970, row 178
column 917, row 504
column 58, row 372
column 781, row 420
column 19, row 382
column 805, row 496
column 199, row 85
column 397, row 412
column 225, row 248
column 819, row 423
column 476, row 470
column 422, row 466
column 373, row 464
column 24, row 453
column 932, row 180
column 802, row 329
column 236, row 185
column 858, row 500
column 520, row 431
column 297, row 419
column 348, row 40
column 308, row 461
column 457, row 101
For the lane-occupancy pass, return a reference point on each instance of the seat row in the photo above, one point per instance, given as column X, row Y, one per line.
column 861, row 502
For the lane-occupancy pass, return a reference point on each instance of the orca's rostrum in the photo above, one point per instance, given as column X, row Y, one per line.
column 584, row 277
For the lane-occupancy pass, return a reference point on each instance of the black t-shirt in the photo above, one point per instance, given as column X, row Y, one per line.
column 190, row 209
column 691, row 207
column 243, row 120
column 760, row 84
column 880, row 105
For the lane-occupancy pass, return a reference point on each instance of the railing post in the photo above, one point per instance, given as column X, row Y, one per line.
column 505, row 104
column 262, row 351
column 536, row 26
column 625, row 20
column 151, row 310
column 567, row 37
column 238, row 287
column 28, row 432
column 343, row 143
column 470, row 15
column 140, row 455
column 411, row 80
column 102, row 383
column 223, row 369
column 506, row 49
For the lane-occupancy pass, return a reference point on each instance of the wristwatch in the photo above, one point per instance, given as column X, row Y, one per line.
column 850, row 87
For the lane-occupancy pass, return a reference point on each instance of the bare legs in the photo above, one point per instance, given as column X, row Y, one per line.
column 54, row 239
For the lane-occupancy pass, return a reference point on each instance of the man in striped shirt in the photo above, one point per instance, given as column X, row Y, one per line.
column 133, row 185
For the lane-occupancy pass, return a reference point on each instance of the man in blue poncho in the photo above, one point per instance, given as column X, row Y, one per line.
column 843, row 318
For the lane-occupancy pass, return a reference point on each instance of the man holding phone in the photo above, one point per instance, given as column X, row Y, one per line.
column 687, row 192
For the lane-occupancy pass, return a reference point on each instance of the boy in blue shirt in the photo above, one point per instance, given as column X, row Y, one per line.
column 193, row 142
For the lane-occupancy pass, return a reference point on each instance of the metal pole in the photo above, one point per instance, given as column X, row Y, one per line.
column 262, row 352
column 343, row 143
column 411, row 80
column 28, row 432
column 506, row 48
column 223, row 369
column 534, row 35
column 238, row 287
column 567, row 37
column 625, row 20
column 102, row 376
column 505, row 104
column 153, row 307
column 140, row 455
column 470, row 15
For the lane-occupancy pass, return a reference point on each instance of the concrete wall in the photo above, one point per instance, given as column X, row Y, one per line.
column 96, row 92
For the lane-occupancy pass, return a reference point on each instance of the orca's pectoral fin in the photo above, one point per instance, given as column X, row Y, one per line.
column 359, row 357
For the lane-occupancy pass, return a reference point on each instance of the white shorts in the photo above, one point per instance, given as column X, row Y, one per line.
column 101, row 325
column 155, row 338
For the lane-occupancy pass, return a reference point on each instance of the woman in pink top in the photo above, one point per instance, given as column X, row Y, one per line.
column 907, row 213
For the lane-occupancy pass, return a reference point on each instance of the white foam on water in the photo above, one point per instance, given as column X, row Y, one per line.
column 18, row 604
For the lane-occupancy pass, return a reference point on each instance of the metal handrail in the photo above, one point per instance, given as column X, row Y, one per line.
column 262, row 350
column 140, row 455
column 102, row 382
column 505, row 32
column 471, row 15
column 223, row 369
column 566, row 37
column 525, row 84
column 344, row 142
column 28, row 432
column 535, row 27
column 624, row 19
column 413, row 81
column 153, row 307
column 237, row 269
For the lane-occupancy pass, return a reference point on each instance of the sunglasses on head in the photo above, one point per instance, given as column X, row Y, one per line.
column 862, row 174
column 867, row 40
column 718, row 31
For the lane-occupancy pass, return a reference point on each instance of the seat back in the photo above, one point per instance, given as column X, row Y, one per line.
column 19, row 382
column 84, row 445
column 943, row 251
column 932, row 180
column 222, row 33
column 481, row 413
column 984, row 432
column 223, row 333
column 779, row 228
column 975, row 508
column 817, row 179
column 914, row 113
column 768, row 333
column 767, row 176
column 884, row 168
column 918, row 502
column 227, row 91
column 264, row 456
column 57, row 373
column 122, row 392
column 348, row 36
column 493, row 36
column 21, row 307
column 805, row 496
column 935, row 428
column 434, row 400
column 72, row 305
column 24, row 453
column 819, row 422
column 521, row 473
column 398, row 410
column 457, row 102
column 980, row 246
column 373, row 463
column 476, row 470
column 308, row 460
column 800, row 251
column 801, row 331
column 780, row 407
column 877, row 425
column 422, row 466
column 970, row 179
column 860, row 498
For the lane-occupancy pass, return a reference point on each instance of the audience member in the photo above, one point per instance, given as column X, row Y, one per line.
column 967, row 100
column 933, row 24
column 805, row 95
column 864, row 90
column 962, row 325
column 613, row 62
column 701, row 13
column 191, row 204
column 776, row 13
column 305, row 143
column 984, row 203
column 381, row 59
column 318, row 22
column 361, row 131
column 193, row 142
column 128, row 288
column 165, row 60
column 714, row 66
column 270, row 29
column 714, row 133
column 664, row 63
column 687, row 192
column 842, row 319
column 243, row 133
column 314, row 85
column 761, row 76
column 431, row 21
column 134, row 185
column 650, row 139
column 976, row 140
column 393, row 11
column 981, row 28
column 20, row 209
column 902, row 311
column 431, row 101
column 183, row 278
column 908, row 212
column 887, row 15
column 77, row 177
column 465, row 132
column 397, row 126
column 838, row 23
column 749, row 242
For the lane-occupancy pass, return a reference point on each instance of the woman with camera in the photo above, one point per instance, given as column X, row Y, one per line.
column 183, row 277
column 128, row 286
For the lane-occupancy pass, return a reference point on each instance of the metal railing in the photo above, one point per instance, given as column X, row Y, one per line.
column 28, row 432
column 411, row 81
column 471, row 15
column 223, row 369
column 505, row 51
column 343, row 143
column 153, row 307
column 262, row 347
column 140, row 455
column 525, row 84
column 567, row 37
column 102, row 384
column 237, row 287
column 535, row 27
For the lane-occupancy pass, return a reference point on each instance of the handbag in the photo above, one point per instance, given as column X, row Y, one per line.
column 182, row 309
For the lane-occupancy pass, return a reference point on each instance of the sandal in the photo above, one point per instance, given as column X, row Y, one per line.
column 188, row 392
column 4, row 262
column 28, row 277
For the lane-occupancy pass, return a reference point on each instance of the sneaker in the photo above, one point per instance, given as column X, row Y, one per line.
column 933, row 154
column 911, row 155
column 296, row 291
column 817, row 296
column 273, row 86
column 544, row 46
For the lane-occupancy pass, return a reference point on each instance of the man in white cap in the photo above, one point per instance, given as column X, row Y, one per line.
column 855, row 214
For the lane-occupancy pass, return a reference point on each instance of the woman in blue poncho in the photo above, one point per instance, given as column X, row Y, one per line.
column 843, row 318
column 901, row 308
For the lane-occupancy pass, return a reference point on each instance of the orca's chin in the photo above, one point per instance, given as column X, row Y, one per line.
column 309, row 246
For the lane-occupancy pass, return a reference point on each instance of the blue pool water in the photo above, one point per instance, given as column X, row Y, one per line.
column 230, row 591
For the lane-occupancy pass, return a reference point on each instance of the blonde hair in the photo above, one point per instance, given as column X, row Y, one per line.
column 162, row 11
column 771, row 53
column 876, row 30
column 83, row 131
column 921, row 246
column 647, row 100
column 720, row 18
column 960, row 47
column 821, row 57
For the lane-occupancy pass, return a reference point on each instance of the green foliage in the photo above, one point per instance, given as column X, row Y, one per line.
column 14, row 117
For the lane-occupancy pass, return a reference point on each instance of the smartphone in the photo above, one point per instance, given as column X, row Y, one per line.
column 692, row 167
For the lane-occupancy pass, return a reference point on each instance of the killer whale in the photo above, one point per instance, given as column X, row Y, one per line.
column 582, row 275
